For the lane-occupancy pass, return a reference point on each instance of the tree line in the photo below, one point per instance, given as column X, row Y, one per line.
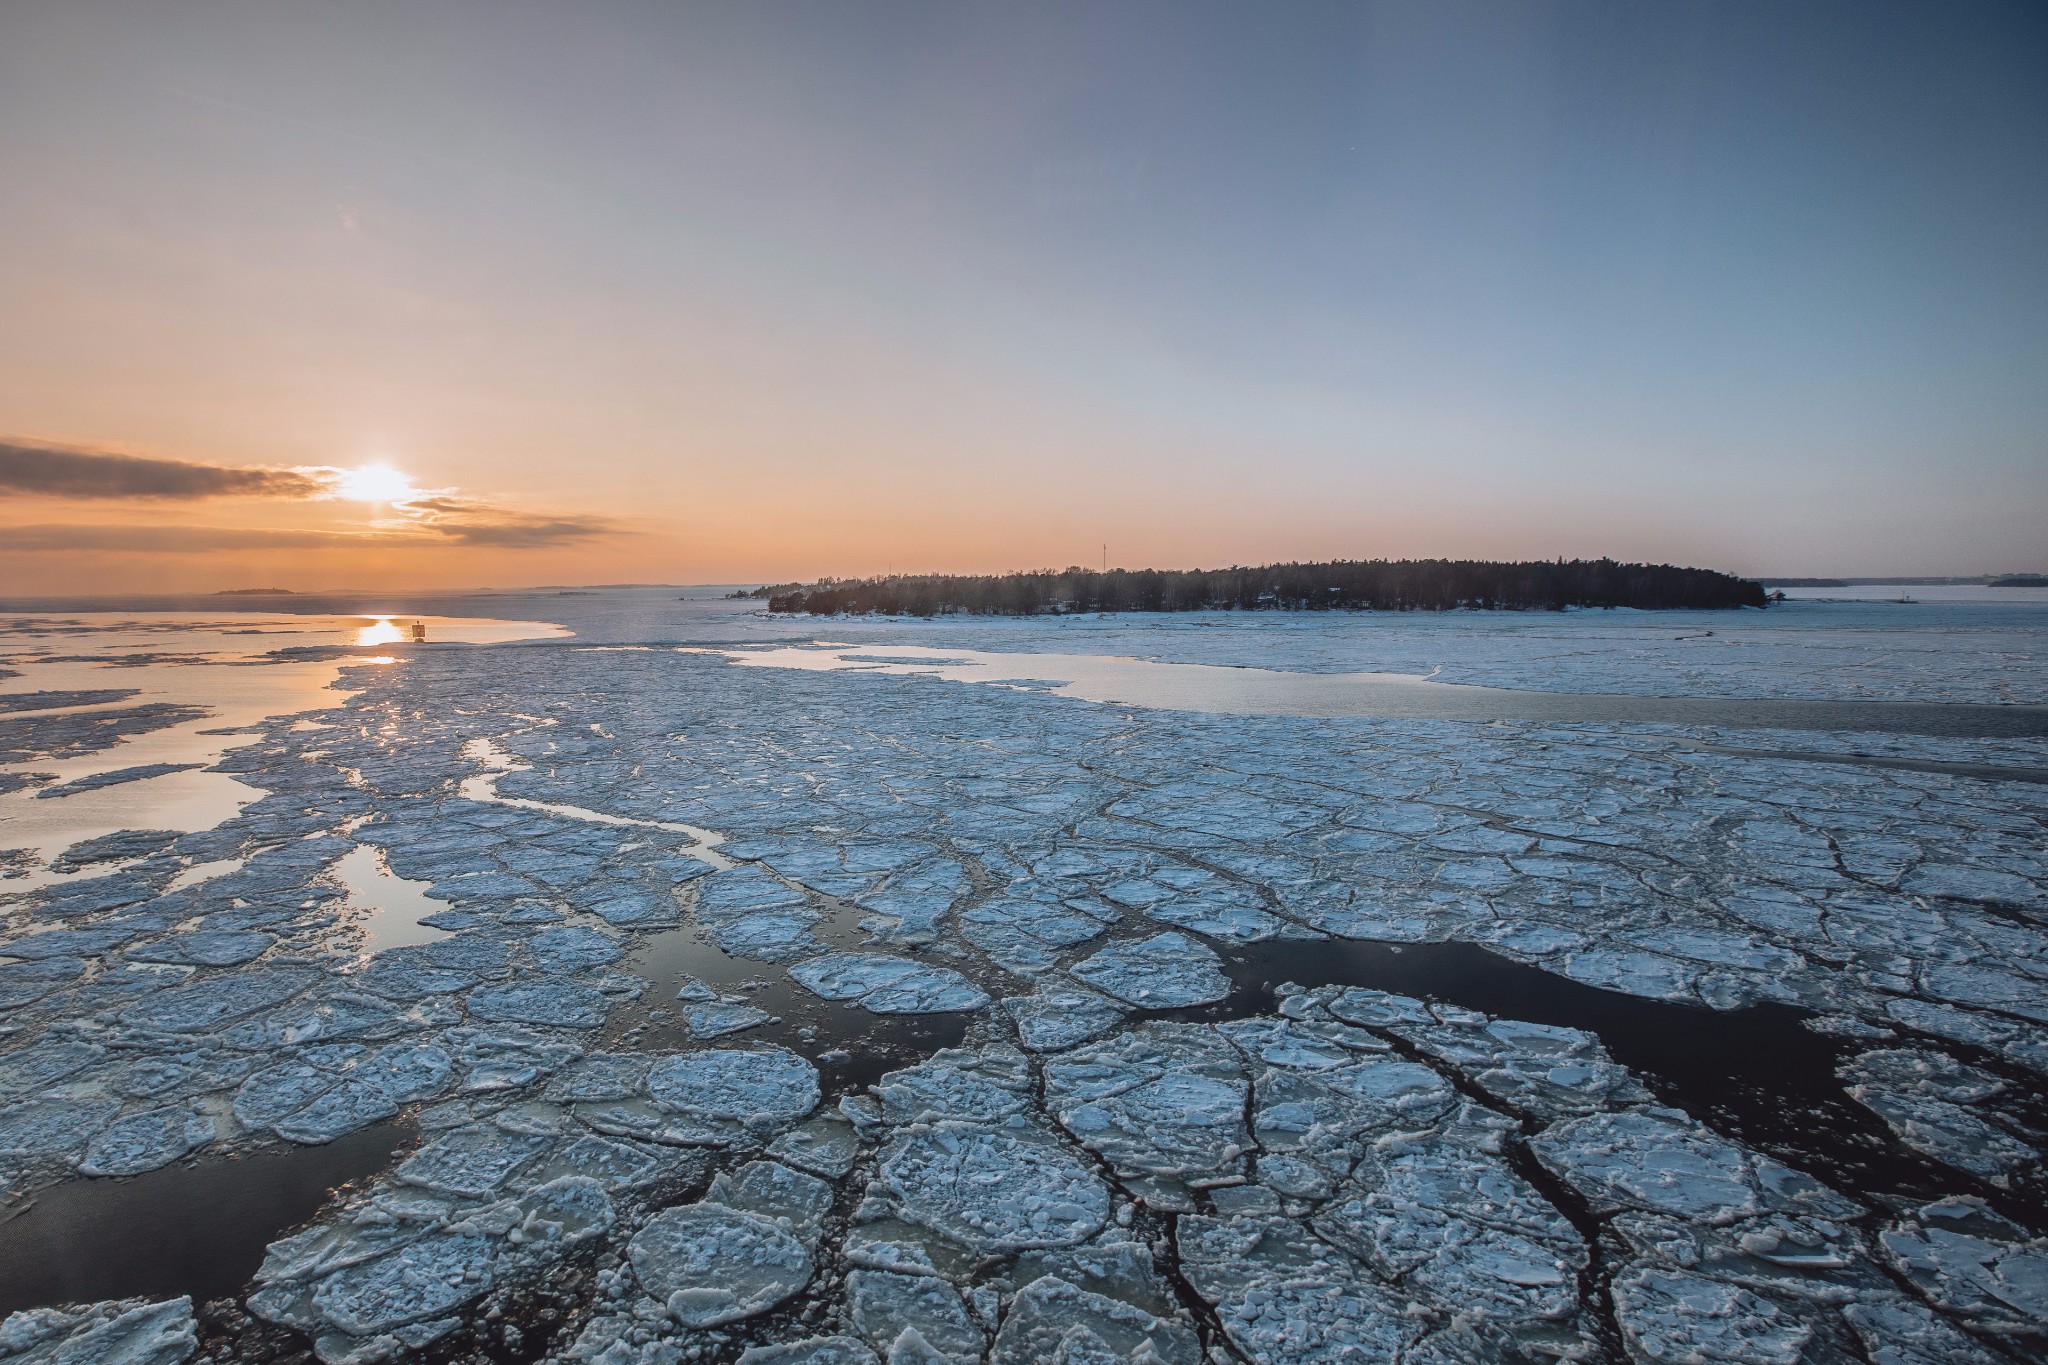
column 1340, row 585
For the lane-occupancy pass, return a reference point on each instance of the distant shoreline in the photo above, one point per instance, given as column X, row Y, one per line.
column 1339, row 585
column 2010, row 580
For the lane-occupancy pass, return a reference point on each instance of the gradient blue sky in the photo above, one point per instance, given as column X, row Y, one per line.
column 763, row 290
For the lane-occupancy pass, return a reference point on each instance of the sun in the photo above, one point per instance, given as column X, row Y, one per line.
column 374, row 483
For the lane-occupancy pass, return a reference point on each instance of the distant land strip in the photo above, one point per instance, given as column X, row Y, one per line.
column 1340, row 585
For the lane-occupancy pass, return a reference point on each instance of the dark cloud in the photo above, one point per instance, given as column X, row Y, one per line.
column 66, row 472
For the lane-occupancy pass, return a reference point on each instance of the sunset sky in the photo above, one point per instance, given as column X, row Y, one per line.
column 435, row 294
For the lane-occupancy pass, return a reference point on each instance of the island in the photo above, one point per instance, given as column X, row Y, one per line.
column 1337, row 585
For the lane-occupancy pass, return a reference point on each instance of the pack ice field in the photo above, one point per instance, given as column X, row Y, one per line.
column 633, row 980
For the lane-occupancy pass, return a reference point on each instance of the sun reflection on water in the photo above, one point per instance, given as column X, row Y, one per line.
column 381, row 631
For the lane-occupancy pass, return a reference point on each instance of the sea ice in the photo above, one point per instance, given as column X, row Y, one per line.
column 993, row 1189
column 823, row 1146
column 1541, row 1069
column 1790, row 1258
column 1327, row 1117
column 552, row 1004
column 53, row 1128
column 1462, row 1230
column 723, row 1094
column 336, row 1088
column 1951, row 1133
column 1671, row 1318
column 1661, row 1162
column 471, row 1162
column 979, row 1086
column 348, row 1106
column 790, row 1199
column 1285, row 1298
column 572, row 948
column 886, row 1308
column 888, row 985
column 719, row 1018
column 144, row 1141
column 613, row 1165
column 601, row 1076
column 1906, row 1333
column 749, row 913
column 1048, row 1314
column 1164, row 1100
column 711, row 1265
column 206, row 948
column 1346, row 1177
column 207, row 1004
column 1052, row 1018
column 24, row 983
column 66, row 942
column 1167, row 971
column 420, row 1280
column 117, row 1332
column 834, row 1350
column 1974, row 1263
column 1634, row 972
column 1973, row 884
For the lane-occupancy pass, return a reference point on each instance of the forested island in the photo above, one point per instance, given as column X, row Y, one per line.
column 1340, row 585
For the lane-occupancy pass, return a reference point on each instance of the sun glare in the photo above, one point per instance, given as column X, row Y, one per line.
column 374, row 483
column 379, row 632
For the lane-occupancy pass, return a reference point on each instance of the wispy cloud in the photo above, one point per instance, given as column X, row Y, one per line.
column 491, row 527
column 187, row 539
column 72, row 472
column 469, row 522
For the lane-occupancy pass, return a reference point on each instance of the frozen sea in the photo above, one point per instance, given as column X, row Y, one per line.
column 631, row 976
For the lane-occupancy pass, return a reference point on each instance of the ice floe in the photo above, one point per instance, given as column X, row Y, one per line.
column 710, row 1264
column 121, row 1332
column 993, row 1188
column 1166, row 971
column 887, row 985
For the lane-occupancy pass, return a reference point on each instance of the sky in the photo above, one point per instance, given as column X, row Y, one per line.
column 449, row 294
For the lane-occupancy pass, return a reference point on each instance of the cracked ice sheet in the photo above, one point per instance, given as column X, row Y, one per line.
column 1890, row 900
